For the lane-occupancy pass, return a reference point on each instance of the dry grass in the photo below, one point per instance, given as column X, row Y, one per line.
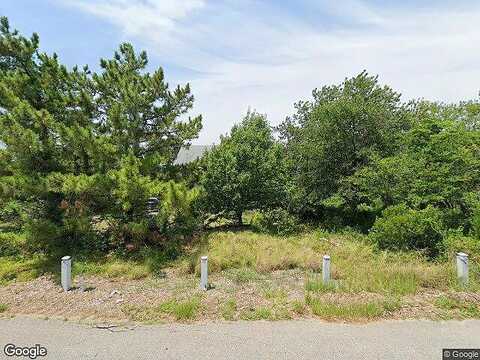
column 356, row 265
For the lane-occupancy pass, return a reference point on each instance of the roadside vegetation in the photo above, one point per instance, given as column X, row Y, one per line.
column 389, row 188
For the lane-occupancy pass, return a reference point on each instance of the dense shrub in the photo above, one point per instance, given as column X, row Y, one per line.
column 11, row 244
column 276, row 222
column 403, row 228
column 178, row 213
column 456, row 242
column 11, row 212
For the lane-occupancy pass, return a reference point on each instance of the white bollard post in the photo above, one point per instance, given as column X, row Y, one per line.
column 462, row 268
column 204, row 273
column 67, row 273
column 326, row 269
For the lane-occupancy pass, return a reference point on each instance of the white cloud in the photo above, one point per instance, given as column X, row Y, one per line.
column 253, row 56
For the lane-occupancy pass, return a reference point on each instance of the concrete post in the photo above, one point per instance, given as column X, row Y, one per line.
column 326, row 269
column 67, row 273
column 462, row 268
column 204, row 273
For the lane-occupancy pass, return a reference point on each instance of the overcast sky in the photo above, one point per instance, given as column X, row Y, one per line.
column 266, row 55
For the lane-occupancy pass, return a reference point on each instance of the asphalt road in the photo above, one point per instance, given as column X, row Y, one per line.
column 243, row 340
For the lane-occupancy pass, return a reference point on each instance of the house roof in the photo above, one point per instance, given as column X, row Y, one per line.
column 192, row 153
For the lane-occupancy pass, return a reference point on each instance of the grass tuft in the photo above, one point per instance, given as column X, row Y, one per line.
column 317, row 285
column 299, row 307
column 462, row 307
column 179, row 310
column 228, row 309
column 257, row 313
column 331, row 311
column 243, row 275
column 3, row 308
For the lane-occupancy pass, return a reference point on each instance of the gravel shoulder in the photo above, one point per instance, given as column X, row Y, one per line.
column 278, row 296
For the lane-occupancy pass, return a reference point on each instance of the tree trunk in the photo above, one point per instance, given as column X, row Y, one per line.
column 239, row 217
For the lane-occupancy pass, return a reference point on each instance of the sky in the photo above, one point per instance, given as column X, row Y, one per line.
column 267, row 55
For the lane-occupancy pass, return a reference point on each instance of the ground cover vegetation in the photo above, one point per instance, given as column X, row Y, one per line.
column 389, row 188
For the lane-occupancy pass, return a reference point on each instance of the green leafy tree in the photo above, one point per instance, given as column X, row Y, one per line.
column 245, row 171
column 439, row 166
column 335, row 134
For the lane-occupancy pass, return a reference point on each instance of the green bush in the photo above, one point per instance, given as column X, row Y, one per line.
column 43, row 235
column 402, row 228
column 476, row 224
column 11, row 212
column 11, row 244
column 178, row 214
column 456, row 242
column 276, row 222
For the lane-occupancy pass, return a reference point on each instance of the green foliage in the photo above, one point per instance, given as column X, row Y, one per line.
column 402, row 228
column 43, row 235
column 131, row 189
column 228, row 309
column 80, row 145
column 476, row 223
column 82, row 152
column 463, row 307
column 181, row 310
column 276, row 222
column 245, row 171
column 11, row 244
column 439, row 166
column 178, row 213
column 330, row 311
column 11, row 212
column 336, row 133
column 456, row 242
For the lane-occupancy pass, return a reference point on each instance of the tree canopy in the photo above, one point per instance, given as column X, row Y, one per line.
column 245, row 171
column 78, row 143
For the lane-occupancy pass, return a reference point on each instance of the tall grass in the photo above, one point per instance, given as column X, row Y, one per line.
column 116, row 268
column 356, row 265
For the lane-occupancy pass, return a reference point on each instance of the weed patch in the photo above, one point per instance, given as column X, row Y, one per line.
column 179, row 310
column 228, row 309
column 258, row 313
column 463, row 308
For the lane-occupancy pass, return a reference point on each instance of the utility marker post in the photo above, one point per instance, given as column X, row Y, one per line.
column 462, row 268
column 204, row 273
column 67, row 273
column 326, row 269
